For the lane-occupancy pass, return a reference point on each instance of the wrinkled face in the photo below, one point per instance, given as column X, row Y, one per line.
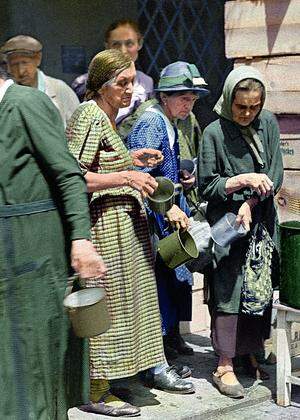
column 246, row 106
column 118, row 92
column 179, row 105
column 23, row 68
column 125, row 39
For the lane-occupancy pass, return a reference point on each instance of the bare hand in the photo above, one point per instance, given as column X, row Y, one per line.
column 142, row 182
column 147, row 158
column 177, row 218
column 85, row 260
column 260, row 183
column 186, row 179
column 244, row 216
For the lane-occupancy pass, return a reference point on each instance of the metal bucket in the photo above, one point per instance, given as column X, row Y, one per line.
column 88, row 311
column 289, row 290
column 177, row 249
column 163, row 197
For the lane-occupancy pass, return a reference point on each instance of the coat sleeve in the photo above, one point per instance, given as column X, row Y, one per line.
column 275, row 172
column 211, row 184
column 46, row 132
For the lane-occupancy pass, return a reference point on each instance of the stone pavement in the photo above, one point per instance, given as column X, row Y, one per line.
column 207, row 403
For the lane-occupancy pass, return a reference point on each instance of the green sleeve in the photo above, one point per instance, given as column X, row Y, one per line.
column 275, row 172
column 211, row 184
column 46, row 132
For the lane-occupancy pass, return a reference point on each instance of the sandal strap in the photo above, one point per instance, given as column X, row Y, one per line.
column 220, row 374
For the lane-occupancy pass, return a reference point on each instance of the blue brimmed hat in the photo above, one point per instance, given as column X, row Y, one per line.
column 180, row 76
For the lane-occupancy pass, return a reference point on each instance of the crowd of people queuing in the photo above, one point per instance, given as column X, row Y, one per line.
column 76, row 198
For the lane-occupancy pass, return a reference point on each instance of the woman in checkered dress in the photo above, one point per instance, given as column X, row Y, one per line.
column 119, row 232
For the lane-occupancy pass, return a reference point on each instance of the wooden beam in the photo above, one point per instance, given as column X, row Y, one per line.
column 262, row 28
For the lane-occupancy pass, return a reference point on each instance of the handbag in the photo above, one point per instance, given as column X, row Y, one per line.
column 257, row 287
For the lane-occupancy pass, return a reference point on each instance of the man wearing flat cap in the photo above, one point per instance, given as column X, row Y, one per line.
column 24, row 54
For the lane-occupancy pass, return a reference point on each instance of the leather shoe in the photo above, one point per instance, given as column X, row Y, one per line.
column 169, row 380
column 126, row 410
column 233, row 391
column 183, row 371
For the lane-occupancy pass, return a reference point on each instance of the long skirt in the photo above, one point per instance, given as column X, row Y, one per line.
column 134, row 341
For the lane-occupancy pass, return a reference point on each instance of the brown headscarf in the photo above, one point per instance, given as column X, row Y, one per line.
column 103, row 67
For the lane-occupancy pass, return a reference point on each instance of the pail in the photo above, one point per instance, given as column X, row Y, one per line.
column 177, row 248
column 87, row 309
column 289, row 291
column 163, row 197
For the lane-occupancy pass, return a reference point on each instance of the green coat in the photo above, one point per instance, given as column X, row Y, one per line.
column 224, row 153
column 38, row 175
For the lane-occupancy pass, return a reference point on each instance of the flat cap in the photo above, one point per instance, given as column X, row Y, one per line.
column 21, row 44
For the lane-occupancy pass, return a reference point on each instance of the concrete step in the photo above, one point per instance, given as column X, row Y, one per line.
column 206, row 403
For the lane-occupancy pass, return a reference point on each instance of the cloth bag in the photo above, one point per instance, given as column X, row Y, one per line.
column 257, row 287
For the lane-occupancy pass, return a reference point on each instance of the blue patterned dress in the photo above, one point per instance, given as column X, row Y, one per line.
column 154, row 130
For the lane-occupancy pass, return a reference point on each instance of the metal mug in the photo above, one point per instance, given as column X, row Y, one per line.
column 188, row 165
column 163, row 197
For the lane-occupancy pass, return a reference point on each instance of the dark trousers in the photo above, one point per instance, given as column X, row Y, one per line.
column 239, row 334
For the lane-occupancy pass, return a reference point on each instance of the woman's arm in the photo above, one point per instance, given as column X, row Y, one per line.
column 146, row 134
column 144, row 183
column 260, row 183
column 275, row 172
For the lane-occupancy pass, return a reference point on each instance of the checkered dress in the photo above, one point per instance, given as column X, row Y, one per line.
column 120, row 234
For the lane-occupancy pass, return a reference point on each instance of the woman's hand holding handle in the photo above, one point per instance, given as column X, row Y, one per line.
column 177, row 218
column 140, row 181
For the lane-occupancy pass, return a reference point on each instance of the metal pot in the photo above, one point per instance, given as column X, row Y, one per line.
column 88, row 312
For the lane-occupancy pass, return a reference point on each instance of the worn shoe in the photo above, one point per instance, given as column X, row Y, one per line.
column 233, row 391
column 126, row 410
column 255, row 372
column 170, row 381
column 183, row 371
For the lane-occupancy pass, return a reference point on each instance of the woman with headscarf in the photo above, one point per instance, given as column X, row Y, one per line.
column 120, row 234
column 180, row 85
column 240, row 170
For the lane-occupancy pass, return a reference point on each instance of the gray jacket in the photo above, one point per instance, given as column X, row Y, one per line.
column 62, row 96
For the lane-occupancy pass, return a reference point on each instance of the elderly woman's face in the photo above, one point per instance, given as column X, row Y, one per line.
column 179, row 105
column 118, row 92
column 125, row 39
column 246, row 106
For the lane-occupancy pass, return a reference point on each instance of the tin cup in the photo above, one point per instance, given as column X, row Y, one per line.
column 163, row 197
column 226, row 230
column 188, row 165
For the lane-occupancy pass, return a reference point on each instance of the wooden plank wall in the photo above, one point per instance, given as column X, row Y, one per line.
column 288, row 198
column 262, row 28
column 282, row 76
